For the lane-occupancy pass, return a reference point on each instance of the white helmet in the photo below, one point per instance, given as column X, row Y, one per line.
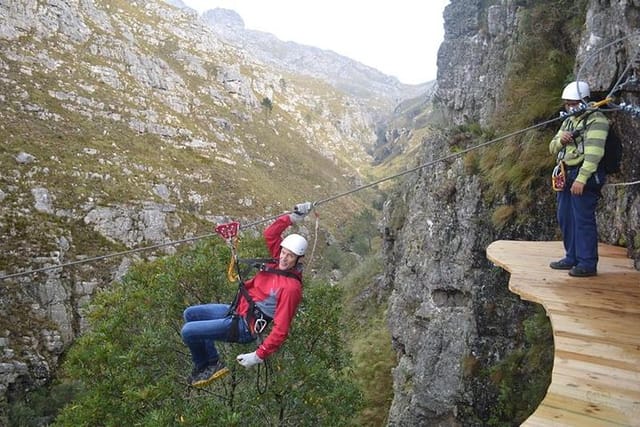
column 576, row 91
column 295, row 243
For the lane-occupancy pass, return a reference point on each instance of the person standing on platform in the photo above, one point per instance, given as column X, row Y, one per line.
column 578, row 148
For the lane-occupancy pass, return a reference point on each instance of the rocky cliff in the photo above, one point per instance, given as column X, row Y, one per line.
column 452, row 319
column 129, row 124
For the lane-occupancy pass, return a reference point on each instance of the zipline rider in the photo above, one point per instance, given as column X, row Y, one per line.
column 273, row 294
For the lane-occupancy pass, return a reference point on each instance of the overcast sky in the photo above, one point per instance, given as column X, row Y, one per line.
column 399, row 37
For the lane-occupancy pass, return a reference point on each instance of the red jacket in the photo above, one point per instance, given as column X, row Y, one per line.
column 277, row 296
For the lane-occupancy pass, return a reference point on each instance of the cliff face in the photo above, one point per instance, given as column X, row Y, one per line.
column 128, row 124
column 473, row 58
column 133, row 123
column 450, row 312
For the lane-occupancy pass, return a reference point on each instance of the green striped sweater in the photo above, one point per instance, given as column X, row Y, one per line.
column 588, row 148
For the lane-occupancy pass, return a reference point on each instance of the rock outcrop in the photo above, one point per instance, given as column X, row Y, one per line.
column 450, row 312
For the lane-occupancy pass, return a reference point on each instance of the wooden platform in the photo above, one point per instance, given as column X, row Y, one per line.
column 596, row 329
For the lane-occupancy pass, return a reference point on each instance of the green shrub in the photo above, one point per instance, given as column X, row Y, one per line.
column 133, row 365
column 367, row 332
column 517, row 399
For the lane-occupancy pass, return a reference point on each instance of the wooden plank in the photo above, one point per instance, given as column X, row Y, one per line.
column 533, row 278
column 601, row 327
column 596, row 328
column 597, row 299
column 547, row 415
column 596, row 413
column 578, row 293
column 624, row 356
column 598, row 368
column 609, row 387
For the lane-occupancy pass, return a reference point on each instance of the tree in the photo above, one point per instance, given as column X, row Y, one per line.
column 132, row 365
column 361, row 231
column 267, row 105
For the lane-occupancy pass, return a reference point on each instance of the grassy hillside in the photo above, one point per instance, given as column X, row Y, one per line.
column 148, row 97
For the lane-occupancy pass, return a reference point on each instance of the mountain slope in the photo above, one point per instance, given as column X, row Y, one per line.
column 126, row 124
column 122, row 105
column 343, row 73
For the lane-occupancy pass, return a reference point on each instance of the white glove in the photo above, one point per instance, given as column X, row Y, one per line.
column 300, row 211
column 249, row 359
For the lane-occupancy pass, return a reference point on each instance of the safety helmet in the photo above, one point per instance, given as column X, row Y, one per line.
column 295, row 243
column 576, row 91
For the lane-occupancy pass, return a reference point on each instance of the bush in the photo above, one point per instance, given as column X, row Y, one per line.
column 133, row 364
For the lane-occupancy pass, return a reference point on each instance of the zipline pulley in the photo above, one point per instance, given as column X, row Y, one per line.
column 229, row 232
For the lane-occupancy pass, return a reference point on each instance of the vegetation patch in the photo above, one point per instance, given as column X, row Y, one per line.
column 518, row 168
column 367, row 331
column 518, row 399
column 131, row 367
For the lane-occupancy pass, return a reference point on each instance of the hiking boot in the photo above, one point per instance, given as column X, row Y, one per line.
column 582, row 272
column 209, row 374
column 563, row 264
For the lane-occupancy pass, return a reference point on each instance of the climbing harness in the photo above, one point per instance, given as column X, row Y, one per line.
column 255, row 319
column 559, row 173
column 229, row 232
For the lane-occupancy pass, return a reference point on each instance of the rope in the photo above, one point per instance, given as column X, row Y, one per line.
column 262, row 379
column 315, row 240
column 618, row 85
column 621, row 184
column 271, row 218
column 107, row 256
column 441, row 159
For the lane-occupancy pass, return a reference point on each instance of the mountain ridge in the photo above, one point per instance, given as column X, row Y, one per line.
column 338, row 70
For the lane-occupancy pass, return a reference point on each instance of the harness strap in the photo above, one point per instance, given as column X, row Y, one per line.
column 257, row 262
column 260, row 319
column 577, row 132
column 285, row 273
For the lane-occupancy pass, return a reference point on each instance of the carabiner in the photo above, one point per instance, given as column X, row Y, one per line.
column 259, row 325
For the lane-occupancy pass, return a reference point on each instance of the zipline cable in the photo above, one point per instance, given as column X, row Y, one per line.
column 271, row 218
column 619, row 85
column 440, row 159
column 591, row 106
column 107, row 256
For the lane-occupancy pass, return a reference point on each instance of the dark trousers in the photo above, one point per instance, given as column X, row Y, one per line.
column 205, row 324
column 577, row 220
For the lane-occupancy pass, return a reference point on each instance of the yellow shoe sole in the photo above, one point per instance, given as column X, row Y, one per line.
column 216, row 375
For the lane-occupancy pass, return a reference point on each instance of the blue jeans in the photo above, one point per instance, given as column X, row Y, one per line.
column 577, row 220
column 205, row 324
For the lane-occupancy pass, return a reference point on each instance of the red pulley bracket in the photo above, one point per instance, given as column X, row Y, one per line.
column 228, row 230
